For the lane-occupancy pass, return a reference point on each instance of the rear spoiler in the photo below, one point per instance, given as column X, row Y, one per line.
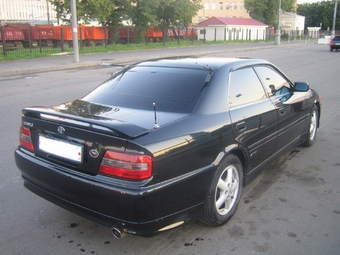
column 111, row 126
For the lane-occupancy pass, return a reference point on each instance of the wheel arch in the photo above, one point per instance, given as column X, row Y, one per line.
column 318, row 105
column 239, row 152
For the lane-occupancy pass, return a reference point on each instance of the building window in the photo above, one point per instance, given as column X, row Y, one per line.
column 207, row 6
column 213, row 6
column 227, row 6
column 220, row 6
column 234, row 6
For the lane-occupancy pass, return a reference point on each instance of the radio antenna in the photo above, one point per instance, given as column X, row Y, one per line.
column 155, row 112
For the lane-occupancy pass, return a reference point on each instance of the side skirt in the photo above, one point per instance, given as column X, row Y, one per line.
column 257, row 170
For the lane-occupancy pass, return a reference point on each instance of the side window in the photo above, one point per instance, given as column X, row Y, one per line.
column 245, row 87
column 273, row 81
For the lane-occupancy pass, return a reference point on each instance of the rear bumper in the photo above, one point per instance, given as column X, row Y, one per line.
column 135, row 209
column 335, row 47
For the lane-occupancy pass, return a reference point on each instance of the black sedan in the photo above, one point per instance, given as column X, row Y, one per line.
column 335, row 43
column 165, row 141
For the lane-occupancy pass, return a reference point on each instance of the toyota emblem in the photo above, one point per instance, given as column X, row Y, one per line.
column 94, row 153
column 61, row 130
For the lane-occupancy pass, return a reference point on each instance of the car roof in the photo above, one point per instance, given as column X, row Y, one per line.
column 204, row 62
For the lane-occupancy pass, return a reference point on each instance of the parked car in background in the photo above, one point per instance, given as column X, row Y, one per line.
column 165, row 141
column 335, row 43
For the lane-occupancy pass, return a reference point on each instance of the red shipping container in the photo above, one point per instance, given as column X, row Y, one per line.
column 152, row 33
column 12, row 33
column 96, row 33
column 46, row 32
column 67, row 31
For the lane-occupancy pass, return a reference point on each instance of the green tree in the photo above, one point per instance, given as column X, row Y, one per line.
column 87, row 9
column 186, row 10
column 266, row 11
column 320, row 13
column 143, row 14
column 163, row 13
column 175, row 12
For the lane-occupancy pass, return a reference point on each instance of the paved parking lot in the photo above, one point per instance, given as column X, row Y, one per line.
column 293, row 207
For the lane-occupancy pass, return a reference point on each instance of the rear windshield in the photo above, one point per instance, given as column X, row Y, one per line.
column 172, row 89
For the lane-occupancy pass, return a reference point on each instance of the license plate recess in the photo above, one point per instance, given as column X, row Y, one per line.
column 63, row 149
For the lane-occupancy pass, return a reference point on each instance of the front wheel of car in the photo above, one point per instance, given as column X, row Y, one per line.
column 224, row 192
column 312, row 128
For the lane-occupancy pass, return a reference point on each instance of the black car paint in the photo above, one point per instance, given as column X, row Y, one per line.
column 186, row 150
column 334, row 43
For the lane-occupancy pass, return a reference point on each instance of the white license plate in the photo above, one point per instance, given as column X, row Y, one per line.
column 61, row 148
column 337, row 44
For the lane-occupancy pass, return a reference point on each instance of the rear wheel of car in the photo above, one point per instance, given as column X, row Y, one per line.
column 312, row 128
column 224, row 192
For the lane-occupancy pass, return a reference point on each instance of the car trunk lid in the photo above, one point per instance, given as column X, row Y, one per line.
column 79, row 136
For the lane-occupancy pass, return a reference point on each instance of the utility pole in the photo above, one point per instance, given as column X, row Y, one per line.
column 48, row 12
column 278, row 31
column 74, row 31
column 334, row 18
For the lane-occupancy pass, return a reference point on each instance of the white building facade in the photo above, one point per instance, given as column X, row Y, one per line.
column 32, row 11
column 225, row 29
column 292, row 21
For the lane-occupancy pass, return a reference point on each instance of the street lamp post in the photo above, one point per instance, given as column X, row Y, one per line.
column 74, row 31
column 278, row 31
column 334, row 18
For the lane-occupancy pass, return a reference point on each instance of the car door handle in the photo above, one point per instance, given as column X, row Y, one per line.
column 278, row 104
column 282, row 111
column 241, row 126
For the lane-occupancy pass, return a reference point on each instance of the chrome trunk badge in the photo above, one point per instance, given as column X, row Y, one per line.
column 94, row 153
column 61, row 130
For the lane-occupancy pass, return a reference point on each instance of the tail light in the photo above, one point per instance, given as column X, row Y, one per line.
column 128, row 166
column 25, row 138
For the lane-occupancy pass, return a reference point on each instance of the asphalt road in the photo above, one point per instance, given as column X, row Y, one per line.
column 293, row 207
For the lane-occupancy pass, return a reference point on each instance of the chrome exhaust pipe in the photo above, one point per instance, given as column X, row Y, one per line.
column 117, row 232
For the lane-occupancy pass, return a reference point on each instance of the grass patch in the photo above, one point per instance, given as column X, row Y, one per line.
column 49, row 52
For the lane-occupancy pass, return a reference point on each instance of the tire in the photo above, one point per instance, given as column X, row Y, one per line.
column 224, row 192
column 312, row 127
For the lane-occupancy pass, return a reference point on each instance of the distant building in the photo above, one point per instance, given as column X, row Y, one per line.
column 221, row 8
column 224, row 29
column 292, row 21
column 32, row 11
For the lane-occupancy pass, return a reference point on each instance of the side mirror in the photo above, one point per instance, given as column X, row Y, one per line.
column 301, row 87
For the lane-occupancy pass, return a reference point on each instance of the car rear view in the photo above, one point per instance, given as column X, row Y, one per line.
column 166, row 141
column 84, row 155
column 335, row 43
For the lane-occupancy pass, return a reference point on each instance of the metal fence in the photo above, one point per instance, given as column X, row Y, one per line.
column 24, row 39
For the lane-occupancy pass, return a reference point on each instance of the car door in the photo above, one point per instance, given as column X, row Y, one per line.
column 290, row 105
column 253, row 115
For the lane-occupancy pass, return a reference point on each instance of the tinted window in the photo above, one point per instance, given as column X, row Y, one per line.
column 245, row 87
column 172, row 89
column 274, row 82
